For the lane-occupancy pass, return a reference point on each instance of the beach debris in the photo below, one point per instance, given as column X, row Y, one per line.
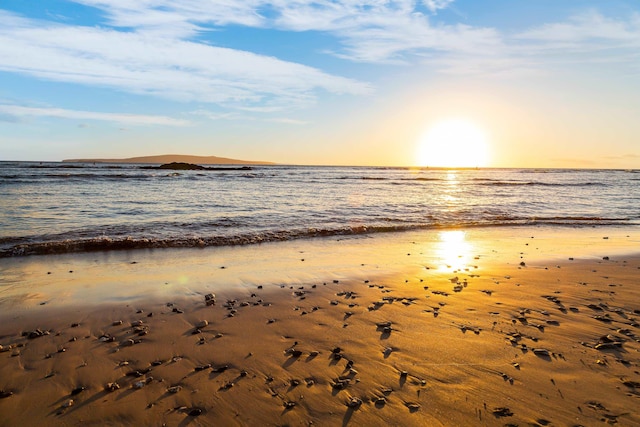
column 67, row 404
column 5, row 393
column 77, row 390
column 541, row 352
column 413, row 407
column 289, row 405
column 202, row 324
column 106, row 338
column 380, row 401
column 36, row 333
column 194, row 412
column 292, row 352
column 502, row 412
column 340, row 384
column 354, row 402
column 174, row 389
column 111, row 387
column 220, row 369
column 139, row 384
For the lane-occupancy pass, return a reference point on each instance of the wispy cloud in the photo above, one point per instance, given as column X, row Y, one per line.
column 245, row 117
column 391, row 31
column 161, row 65
column 17, row 111
column 154, row 47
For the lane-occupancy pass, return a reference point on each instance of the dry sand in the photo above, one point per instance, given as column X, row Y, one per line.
column 484, row 327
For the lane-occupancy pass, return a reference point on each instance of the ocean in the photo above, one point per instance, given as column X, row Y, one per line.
column 48, row 208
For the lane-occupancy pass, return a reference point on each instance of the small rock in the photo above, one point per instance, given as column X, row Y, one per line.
column 201, row 324
column 68, row 403
column 77, row 390
column 502, row 412
column 541, row 352
column 174, row 389
column 354, row 402
column 413, row 406
column 195, row 412
column 111, row 387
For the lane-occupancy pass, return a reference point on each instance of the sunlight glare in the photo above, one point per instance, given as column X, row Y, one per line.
column 453, row 250
column 454, row 143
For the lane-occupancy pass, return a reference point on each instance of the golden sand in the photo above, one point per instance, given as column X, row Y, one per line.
column 483, row 327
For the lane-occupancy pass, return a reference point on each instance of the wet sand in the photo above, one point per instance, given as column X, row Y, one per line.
column 483, row 327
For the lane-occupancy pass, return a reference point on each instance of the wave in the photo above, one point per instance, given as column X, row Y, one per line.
column 103, row 243
column 538, row 183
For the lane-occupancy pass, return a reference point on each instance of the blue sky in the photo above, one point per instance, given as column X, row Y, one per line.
column 551, row 83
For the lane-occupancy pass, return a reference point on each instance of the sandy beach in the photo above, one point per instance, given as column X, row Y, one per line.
column 517, row 326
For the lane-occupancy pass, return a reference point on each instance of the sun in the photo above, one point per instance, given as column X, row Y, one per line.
column 453, row 143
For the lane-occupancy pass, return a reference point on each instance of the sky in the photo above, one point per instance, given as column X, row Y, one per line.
column 542, row 83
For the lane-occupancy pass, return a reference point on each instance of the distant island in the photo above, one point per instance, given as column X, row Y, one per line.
column 174, row 158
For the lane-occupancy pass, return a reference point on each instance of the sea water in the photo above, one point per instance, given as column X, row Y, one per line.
column 63, row 207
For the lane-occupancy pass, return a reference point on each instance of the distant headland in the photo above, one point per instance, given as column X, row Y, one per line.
column 171, row 158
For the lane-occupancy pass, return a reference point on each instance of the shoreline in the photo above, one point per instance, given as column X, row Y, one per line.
column 470, row 316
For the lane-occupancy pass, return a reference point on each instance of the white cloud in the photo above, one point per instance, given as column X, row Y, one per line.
column 368, row 30
column 17, row 111
column 243, row 117
column 587, row 27
column 152, row 47
column 161, row 65
column 434, row 5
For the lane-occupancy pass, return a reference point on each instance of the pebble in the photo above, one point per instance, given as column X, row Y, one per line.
column 111, row 387
column 354, row 402
column 541, row 351
column 201, row 324
column 77, row 390
column 195, row 412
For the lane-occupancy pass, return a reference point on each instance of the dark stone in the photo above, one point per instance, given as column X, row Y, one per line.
column 182, row 166
column 195, row 412
column 77, row 390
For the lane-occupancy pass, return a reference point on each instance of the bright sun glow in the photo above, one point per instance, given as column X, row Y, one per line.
column 453, row 143
column 454, row 250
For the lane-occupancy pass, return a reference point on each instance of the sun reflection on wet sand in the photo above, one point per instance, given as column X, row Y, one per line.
column 452, row 250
